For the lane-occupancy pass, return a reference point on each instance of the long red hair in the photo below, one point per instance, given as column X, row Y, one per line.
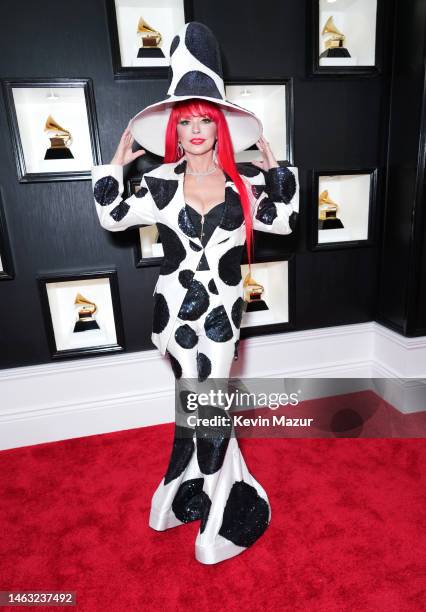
column 225, row 152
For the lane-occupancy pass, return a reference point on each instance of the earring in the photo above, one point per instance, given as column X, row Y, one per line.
column 215, row 153
column 180, row 150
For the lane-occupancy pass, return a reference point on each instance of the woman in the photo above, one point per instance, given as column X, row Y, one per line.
column 205, row 209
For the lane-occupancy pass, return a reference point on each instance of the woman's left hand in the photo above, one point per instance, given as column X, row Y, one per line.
column 268, row 160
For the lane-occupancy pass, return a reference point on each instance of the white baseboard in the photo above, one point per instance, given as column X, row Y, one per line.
column 76, row 398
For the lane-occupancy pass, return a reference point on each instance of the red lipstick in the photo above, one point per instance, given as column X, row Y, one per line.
column 197, row 140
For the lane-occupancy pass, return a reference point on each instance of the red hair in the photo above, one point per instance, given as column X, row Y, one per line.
column 225, row 152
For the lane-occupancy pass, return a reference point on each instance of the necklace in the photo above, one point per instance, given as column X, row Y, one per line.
column 199, row 175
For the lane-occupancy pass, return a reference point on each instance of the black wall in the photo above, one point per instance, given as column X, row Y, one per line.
column 403, row 288
column 339, row 123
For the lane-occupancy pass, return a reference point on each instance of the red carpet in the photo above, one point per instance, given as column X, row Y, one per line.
column 347, row 530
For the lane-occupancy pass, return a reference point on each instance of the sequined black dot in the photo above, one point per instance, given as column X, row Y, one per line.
column 201, row 42
column 257, row 190
column 212, row 441
column 237, row 311
column 162, row 190
column 266, row 211
column 195, row 247
column 185, row 278
column 120, row 211
column 174, row 251
column 183, row 448
column 185, row 224
column 212, row 287
column 186, row 337
column 292, row 220
column 203, row 264
column 233, row 216
column 281, row 184
column 247, row 169
column 180, row 168
column 204, row 366
column 105, row 190
column 141, row 192
column 217, row 325
column 199, row 84
column 161, row 313
column 195, row 302
column 246, row 515
column 175, row 44
column 176, row 367
column 229, row 267
column 191, row 502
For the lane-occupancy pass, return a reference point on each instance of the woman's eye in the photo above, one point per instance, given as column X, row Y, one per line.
column 206, row 120
column 184, row 122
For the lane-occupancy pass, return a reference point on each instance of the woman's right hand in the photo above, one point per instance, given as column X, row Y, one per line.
column 124, row 154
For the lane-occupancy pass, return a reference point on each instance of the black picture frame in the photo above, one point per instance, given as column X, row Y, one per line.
column 314, row 245
column 42, row 281
column 289, row 101
column 135, row 72
column 140, row 261
column 314, row 69
column 31, row 177
column 8, row 271
column 277, row 328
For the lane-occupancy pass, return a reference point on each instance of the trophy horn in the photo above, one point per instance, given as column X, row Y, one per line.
column 82, row 300
column 331, row 28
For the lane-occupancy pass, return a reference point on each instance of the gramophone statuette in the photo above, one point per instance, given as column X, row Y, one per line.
column 327, row 208
column 334, row 44
column 150, row 40
column 59, row 138
column 86, row 310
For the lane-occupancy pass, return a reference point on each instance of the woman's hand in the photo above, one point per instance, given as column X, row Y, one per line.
column 268, row 160
column 124, row 154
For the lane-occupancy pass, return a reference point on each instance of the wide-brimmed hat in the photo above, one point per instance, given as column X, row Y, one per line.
column 195, row 72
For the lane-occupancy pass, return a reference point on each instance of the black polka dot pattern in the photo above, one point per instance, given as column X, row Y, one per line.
column 212, row 287
column 161, row 313
column 175, row 44
column 191, row 502
column 195, row 303
column 120, row 211
column 292, row 220
column 217, row 325
column 141, row 193
column 229, row 267
column 247, row 170
column 204, row 367
column 185, row 278
column 199, row 84
column 246, row 515
column 176, row 367
column 162, row 190
column 204, row 48
column 180, row 168
column 212, row 442
column 185, row 224
column 237, row 311
column 266, row 211
column 186, row 337
column 174, row 251
column 195, row 247
column 257, row 190
column 233, row 216
column 106, row 190
column 182, row 451
column 281, row 184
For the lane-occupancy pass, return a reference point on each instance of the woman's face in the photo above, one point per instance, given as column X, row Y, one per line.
column 197, row 134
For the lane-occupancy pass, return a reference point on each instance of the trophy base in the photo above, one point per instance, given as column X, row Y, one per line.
column 58, row 153
column 256, row 306
column 325, row 224
column 150, row 52
column 336, row 52
column 82, row 326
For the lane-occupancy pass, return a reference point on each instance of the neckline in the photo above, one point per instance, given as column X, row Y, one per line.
column 208, row 212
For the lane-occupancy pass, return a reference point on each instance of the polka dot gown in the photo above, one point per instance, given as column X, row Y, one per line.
column 198, row 308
